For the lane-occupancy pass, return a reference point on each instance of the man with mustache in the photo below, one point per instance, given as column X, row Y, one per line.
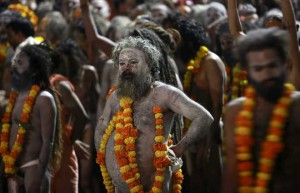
column 29, row 124
column 133, row 130
column 262, row 128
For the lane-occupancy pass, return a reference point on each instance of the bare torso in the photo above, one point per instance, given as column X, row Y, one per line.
column 287, row 168
column 171, row 101
column 30, row 150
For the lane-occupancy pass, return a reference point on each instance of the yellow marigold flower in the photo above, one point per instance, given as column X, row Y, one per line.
column 247, row 114
column 133, row 165
column 22, row 130
column 245, row 189
column 103, row 169
column 275, row 123
column 263, row 176
column 128, row 119
column 242, row 131
column 177, row 186
column 159, row 178
column 260, row 190
column 244, row 156
column 158, row 115
column 5, row 127
column 127, row 110
column 137, row 175
column 156, row 190
column 266, row 161
column 245, row 173
column 285, row 100
column 26, row 108
column 118, row 147
column 159, row 139
column 249, row 102
column 128, row 181
column 131, row 153
column 273, row 138
column 160, row 153
column 118, row 136
column 125, row 168
column 129, row 140
column 135, row 189
column 119, row 125
column 159, row 126
column 281, row 111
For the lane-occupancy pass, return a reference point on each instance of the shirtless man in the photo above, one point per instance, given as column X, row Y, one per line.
column 204, row 81
column 258, row 125
column 138, row 68
column 28, row 169
column 290, row 26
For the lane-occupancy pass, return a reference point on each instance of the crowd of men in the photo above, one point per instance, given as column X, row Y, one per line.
column 121, row 96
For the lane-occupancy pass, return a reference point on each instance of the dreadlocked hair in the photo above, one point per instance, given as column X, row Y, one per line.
column 167, row 72
column 165, row 35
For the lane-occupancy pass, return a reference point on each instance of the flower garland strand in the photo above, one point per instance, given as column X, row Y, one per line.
column 193, row 67
column 25, row 11
column 270, row 148
column 237, row 85
column 125, row 151
column 10, row 157
column 101, row 156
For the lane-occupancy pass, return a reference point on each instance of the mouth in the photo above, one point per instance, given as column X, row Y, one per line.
column 127, row 75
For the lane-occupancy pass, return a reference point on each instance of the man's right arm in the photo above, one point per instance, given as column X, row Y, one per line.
column 229, row 182
column 103, row 121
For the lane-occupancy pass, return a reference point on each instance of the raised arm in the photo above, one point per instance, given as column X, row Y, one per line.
column 235, row 25
column 102, row 42
column 290, row 23
column 201, row 119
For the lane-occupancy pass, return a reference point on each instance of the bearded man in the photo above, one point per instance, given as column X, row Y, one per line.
column 262, row 128
column 29, row 124
column 136, row 122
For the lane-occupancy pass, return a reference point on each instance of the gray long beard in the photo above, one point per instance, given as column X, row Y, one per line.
column 136, row 87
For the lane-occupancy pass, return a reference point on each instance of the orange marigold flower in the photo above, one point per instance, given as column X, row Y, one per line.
column 157, row 109
column 246, row 181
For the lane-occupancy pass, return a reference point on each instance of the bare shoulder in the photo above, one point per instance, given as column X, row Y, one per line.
column 163, row 88
column 296, row 97
column 45, row 98
column 213, row 60
column 296, row 107
column 233, row 108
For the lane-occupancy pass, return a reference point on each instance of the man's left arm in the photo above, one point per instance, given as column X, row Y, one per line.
column 47, row 113
column 201, row 119
column 216, row 77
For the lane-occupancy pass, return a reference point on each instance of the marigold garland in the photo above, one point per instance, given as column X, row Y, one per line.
column 193, row 67
column 10, row 157
column 270, row 148
column 125, row 138
column 25, row 11
column 236, row 83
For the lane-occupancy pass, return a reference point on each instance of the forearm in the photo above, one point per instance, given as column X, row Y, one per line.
column 44, row 158
column 105, row 44
column 198, row 129
column 234, row 20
